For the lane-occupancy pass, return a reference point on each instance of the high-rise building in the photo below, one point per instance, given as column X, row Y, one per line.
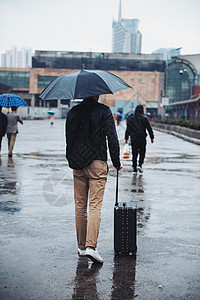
column 17, row 59
column 126, row 38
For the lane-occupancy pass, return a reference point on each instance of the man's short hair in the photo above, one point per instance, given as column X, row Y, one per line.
column 13, row 108
column 96, row 97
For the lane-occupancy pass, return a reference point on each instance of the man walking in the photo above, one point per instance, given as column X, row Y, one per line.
column 12, row 129
column 137, row 124
column 3, row 125
column 89, row 126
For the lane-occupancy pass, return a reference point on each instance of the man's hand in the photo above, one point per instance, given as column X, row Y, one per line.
column 121, row 167
column 152, row 140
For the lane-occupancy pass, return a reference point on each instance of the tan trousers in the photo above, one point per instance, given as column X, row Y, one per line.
column 11, row 141
column 90, row 182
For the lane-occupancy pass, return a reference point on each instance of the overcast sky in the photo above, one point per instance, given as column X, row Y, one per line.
column 86, row 25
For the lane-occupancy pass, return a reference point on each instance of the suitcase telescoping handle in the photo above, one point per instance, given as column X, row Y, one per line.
column 116, row 203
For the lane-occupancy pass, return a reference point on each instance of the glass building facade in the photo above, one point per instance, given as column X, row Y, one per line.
column 18, row 79
column 180, row 80
column 99, row 62
column 43, row 81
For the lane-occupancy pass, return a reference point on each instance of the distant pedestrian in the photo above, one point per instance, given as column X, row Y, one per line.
column 52, row 118
column 115, row 116
column 12, row 128
column 3, row 125
column 137, row 124
column 119, row 118
column 89, row 126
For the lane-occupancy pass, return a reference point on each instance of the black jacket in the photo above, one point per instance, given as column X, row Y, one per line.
column 3, row 123
column 137, row 125
column 89, row 126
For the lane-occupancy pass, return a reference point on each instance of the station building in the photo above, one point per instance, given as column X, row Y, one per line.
column 145, row 73
column 183, row 87
column 153, row 81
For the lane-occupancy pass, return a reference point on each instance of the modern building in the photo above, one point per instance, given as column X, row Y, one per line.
column 144, row 72
column 15, row 58
column 183, row 87
column 126, row 38
column 172, row 88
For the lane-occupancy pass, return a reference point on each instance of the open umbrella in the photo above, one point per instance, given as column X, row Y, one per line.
column 9, row 100
column 82, row 84
column 51, row 112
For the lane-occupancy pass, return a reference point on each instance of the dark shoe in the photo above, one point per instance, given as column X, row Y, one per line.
column 135, row 171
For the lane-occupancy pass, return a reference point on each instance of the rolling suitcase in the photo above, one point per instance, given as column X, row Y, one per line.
column 125, row 226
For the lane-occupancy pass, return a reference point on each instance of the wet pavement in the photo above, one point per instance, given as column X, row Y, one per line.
column 38, row 253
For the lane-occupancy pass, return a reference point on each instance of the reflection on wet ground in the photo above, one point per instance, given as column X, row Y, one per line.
column 9, row 187
column 135, row 188
column 171, row 159
column 123, row 278
column 86, row 282
column 85, row 285
column 137, row 184
column 42, row 156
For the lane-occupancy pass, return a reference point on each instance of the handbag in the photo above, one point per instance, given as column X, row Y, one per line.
column 126, row 152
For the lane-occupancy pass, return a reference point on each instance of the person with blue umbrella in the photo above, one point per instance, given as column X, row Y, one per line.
column 12, row 101
column 9, row 100
column 12, row 128
column 3, row 125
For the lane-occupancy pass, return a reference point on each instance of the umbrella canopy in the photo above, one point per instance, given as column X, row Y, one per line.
column 82, row 84
column 51, row 112
column 9, row 100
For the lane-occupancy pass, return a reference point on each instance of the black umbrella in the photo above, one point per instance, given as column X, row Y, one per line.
column 82, row 84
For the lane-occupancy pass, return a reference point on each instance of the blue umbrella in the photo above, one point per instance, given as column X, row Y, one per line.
column 82, row 84
column 9, row 100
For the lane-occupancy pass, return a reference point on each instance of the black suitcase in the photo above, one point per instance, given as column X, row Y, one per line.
column 125, row 226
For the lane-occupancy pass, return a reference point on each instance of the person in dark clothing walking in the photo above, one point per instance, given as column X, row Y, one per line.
column 3, row 125
column 12, row 128
column 137, row 125
column 89, row 126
